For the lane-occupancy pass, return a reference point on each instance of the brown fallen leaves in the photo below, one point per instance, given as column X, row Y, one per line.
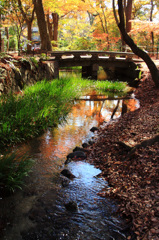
column 133, row 178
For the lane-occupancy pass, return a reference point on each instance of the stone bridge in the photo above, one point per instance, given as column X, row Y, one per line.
column 116, row 64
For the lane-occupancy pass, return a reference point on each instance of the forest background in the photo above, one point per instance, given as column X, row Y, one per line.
column 76, row 25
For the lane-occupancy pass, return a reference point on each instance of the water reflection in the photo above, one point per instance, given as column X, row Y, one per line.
column 95, row 219
column 50, row 149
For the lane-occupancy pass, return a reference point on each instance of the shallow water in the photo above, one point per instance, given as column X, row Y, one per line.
column 96, row 217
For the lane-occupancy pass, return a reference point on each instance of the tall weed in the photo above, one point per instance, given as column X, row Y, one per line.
column 13, row 170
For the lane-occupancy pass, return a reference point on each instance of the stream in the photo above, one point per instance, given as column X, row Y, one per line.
column 40, row 210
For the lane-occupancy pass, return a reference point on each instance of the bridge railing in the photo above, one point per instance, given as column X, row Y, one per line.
column 59, row 55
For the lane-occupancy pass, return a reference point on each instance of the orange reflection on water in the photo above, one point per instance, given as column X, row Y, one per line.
column 132, row 104
column 50, row 149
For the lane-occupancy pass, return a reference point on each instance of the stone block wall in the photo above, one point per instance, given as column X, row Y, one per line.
column 15, row 74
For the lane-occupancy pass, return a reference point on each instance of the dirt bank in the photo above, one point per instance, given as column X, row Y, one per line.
column 133, row 174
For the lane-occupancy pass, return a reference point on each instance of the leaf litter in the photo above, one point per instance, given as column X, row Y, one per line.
column 133, row 172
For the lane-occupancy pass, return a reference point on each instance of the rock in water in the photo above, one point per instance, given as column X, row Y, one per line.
column 77, row 155
column 65, row 182
column 67, row 173
column 81, row 149
column 71, row 206
column 93, row 129
column 68, row 160
column 85, row 145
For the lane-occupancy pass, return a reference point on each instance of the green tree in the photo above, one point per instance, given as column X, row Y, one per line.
column 27, row 11
column 14, row 18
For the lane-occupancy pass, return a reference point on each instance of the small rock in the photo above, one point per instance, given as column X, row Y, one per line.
column 85, row 145
column 68, row 160
column 67, row 173
column 93, row 129
column 80, row 149
column 77, row 155
column 65, row 182
column 71, row 206
column 91, row 142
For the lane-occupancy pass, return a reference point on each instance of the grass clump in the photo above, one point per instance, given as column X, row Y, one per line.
column 111, row 86
column 40, row 106
column 27, row 115
column 13, row 170
column 43, row 105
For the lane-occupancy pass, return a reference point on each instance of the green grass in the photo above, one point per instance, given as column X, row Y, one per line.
column 43, row 105
column 111, row 86
column 26, row 116
column 13, row 170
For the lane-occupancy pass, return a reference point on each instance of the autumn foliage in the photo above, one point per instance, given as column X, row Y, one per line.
column 78, row 22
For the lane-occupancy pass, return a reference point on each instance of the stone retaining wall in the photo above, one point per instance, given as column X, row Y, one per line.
column 15, row 74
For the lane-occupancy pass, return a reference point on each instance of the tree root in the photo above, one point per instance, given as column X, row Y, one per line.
column 144, row 144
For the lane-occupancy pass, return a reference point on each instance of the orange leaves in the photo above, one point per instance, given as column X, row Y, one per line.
column 145, row 26
column 99, row 35
column 141, row 31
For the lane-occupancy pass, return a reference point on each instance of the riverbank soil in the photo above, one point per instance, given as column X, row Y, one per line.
column 133, row 173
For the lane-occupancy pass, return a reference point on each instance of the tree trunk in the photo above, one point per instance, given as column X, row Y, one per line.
column 7, row 35
column 55, row 27
column 19, row 47
column 142, row 54
column 128, row 15
column 0, row 36
column 106, row 29
column 49, row 25
column 45, row 39
column 29, row 25
column 152, row 34
column 28, row 19
column 91, row 18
